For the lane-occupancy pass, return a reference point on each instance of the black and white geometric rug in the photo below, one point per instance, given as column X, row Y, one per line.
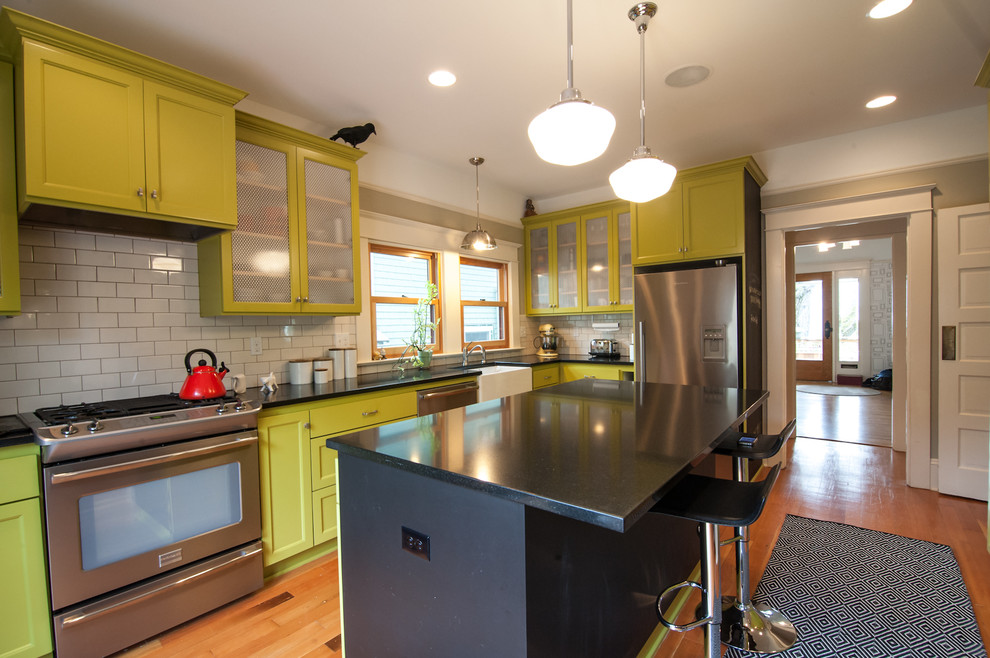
column 853, row 593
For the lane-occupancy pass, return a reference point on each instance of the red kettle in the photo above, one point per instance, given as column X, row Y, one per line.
column 203, row 382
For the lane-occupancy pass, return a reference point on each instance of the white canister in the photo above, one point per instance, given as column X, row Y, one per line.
column 337, row 356
column 300, row 371
column 350, row 363
column 321, row 376
column 323, row 364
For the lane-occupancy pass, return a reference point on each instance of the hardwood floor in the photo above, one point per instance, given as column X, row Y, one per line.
column 850, row 418
column 298, row 614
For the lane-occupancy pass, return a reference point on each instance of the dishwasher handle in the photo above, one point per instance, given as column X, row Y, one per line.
column 433, row 400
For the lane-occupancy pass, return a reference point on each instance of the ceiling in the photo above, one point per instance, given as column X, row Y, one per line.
column 783, row 71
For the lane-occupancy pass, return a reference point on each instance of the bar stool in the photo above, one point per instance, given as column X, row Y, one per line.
column 711, row 502
column 748, row 626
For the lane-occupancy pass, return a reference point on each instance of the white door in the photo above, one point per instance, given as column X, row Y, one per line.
column 964, row 366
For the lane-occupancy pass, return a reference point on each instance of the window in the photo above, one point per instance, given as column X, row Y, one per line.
column 483, row 303
column 398, row 280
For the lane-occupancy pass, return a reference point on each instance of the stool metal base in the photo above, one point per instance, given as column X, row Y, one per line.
column 755, row 627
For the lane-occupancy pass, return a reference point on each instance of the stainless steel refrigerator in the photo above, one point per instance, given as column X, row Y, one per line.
column 686, row 320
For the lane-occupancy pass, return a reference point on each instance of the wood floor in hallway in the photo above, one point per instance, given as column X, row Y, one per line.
column 298, row 614
column 852, row 418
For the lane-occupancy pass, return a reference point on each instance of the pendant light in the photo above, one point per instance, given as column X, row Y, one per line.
column 645, row 177
column 478, row 239
column 572, row 130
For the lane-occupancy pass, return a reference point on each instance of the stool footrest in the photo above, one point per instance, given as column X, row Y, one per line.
column 681, row 628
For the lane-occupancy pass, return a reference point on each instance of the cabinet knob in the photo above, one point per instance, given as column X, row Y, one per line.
column 298, row 299
column 306, row 299
column 154, row 194
column 140, row 191
column 306, row 425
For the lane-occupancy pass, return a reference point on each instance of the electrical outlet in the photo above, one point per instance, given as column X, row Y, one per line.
column 340, row 340
column 256, row 345
column 416, row 543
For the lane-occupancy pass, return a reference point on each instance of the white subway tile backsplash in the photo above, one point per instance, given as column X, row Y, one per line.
column 107, row 317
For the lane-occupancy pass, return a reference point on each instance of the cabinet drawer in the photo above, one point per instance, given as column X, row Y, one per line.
column 324, row 515
column 574, row 371
column 323, row 462
column 546, row 376
column 18, row 478
column 362, row 411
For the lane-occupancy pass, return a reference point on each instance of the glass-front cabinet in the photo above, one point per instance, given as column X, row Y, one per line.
column 607, row 264
column 579, row 260
column 295, row 247
column 553, row 274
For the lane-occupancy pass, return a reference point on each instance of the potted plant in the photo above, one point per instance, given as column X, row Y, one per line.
column 423, row 327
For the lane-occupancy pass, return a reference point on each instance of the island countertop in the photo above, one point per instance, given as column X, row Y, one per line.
column 597, row 451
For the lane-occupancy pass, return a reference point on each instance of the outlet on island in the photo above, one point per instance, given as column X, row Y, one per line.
column 416, row 543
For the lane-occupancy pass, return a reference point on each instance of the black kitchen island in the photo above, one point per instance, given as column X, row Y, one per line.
column 518, row 526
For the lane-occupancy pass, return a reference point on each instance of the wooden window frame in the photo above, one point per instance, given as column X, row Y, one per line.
column 434, row 276
column 503, row 303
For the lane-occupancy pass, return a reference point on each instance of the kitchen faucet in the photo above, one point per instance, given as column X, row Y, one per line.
column 467, row 352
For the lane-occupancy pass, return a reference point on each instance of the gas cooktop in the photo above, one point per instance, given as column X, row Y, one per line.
column 87, row 411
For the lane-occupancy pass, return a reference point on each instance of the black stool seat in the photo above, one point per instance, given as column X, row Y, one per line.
column 713, row 500
column 765, row 446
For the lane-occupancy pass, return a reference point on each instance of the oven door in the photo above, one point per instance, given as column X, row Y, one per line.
column 116, row 520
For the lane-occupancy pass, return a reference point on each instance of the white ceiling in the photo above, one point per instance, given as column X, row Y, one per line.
column 784, row 71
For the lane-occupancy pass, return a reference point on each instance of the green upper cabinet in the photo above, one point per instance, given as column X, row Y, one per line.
column 295, row 250
column 10, row 278
column 106, row 130
column 607, row 270
column 579, row 260
column 704, row 215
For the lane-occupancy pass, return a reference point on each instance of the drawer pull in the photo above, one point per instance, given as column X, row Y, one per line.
column 546, row 377
column 369, row 413
column 590, row 377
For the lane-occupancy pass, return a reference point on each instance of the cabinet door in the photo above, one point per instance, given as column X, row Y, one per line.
column 328, row 230
column 546, row 375
column 10, row 277
column 323, row 462
column 623, row 278
column 264, row 249
column 324, row 515
column 24, row 611
column 538, row 281
column 658, row 233
column 189, row 147
column 286, row 486
column 714, row 216
column 83, row 130
column 566, row 249
column 598, row 262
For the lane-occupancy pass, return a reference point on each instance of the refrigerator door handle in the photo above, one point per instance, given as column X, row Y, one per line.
column 641, row 352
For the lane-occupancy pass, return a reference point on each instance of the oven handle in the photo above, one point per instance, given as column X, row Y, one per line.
column 86, row 616
column 72, row 476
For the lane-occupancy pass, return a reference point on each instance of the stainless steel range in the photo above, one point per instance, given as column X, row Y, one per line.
column 152, row 510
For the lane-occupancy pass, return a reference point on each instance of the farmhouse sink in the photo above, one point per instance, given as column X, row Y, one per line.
column 498, row 381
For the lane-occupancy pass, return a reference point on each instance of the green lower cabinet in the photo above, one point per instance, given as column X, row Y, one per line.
column 570, row 372
column 324, row 515
column 25, row 620
column 546, row 374
column 286, row 485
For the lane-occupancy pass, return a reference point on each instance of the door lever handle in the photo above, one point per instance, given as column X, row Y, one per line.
column 828, row 329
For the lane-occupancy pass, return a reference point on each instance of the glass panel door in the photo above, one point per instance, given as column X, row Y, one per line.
column 813, row 326
column 849, row 320
column 539, row 267
column 260, row 247
column 566, row 234
column 625, row 259
column 329, row 243
column 596, row 261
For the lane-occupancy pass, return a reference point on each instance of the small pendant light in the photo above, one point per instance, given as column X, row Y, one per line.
column 573, row 130
column 478, row 239
column 645, row 177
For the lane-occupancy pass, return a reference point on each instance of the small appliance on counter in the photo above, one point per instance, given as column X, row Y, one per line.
column 546, row 341
column 604, row 348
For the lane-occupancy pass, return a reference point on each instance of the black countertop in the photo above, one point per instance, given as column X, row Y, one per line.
column 14, row 432
column 297, row 394
column 597, row 451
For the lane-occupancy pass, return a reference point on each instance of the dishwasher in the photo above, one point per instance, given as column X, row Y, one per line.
column 433, row 400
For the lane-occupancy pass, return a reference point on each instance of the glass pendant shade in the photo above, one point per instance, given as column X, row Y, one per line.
column 571, row 132
column 642, row 179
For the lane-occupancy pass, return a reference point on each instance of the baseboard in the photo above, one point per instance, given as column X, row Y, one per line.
column 933, row 475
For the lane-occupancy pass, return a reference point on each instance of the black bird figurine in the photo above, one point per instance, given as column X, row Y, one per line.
column 355, row 134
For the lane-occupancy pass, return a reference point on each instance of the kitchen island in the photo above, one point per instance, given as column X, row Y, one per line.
column 518, row 526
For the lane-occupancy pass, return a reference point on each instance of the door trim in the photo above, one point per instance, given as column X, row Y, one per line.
column 911, row 210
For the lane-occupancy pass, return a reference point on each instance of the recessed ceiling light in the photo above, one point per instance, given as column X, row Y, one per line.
column 886, row 8
column 687, row 76
column 442, row 78
column 881, row 101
